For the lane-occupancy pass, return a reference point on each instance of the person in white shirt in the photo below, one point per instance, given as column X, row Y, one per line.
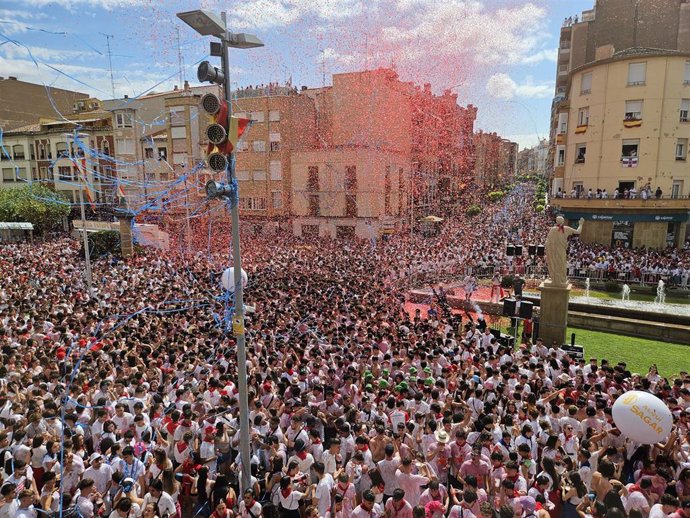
column 9, row 505
column 249, row 507
column 667, row 505
column 324, row 487
column 368, row 508
column 387, row 467
column 162, row 500
column 100, row 472
column 26, row 508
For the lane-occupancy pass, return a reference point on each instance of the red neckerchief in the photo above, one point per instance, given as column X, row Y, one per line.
column 634, row 488
column 181, row 446
column 302, row 454
column 363, row 447
column 286, row 492
column 561, row 229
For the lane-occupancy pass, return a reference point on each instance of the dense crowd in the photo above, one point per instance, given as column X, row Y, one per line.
column 125, row 404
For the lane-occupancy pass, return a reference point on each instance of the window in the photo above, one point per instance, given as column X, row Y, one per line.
column 259, row 146
column 123, row 120
column 163, row 153
column 18, row 152
column 681, row 149
column 677, row 189
column 314, row 205
column 64, row 173
column 242, row 175
column 8, row 174
column 253, row 203
column 630, row 148
column 387, row 192
column 583, row 117
column 580, row 152
column 562, row 69
column 630, row 152
column 350, row 205
column 313, row 178
column 61, row 149
column 277, row 199
column 686, row 75
column 562, row 123
column 242, row 145
column 257, row 116
column 275, row 141
column 586, row 83
column 685, row 110
column 351, row 178
column 178, row 132
column 21, row 173
column 106, row 148
column 633, row 110
column 637, row 74
column 259, row 175
column 33, row 154
column 124, row 146
column 561, row 156
column 43, row 171
column 148, row 152
column 276, row 169
column 578, row 187
column 274, row 116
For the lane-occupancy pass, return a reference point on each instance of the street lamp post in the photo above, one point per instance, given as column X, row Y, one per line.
column 82, row 180
column 209, row 24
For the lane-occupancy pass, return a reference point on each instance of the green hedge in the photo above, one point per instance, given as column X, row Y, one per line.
column 473, row 210
column 495, row 195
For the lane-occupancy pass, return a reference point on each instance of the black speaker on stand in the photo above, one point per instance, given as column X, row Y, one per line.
column 532, row 249
column 540, row 250
column 510, row 250
column 518, row 250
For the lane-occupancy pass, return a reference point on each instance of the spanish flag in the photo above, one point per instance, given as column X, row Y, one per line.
column 120, row 193
column 81, row 166
column 238, row 126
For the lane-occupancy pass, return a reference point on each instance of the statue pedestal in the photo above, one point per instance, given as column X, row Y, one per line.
column 553, row 313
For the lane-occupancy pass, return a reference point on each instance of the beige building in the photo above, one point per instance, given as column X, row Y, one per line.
column 619, row 122
column 626, row 129
column 348, row 192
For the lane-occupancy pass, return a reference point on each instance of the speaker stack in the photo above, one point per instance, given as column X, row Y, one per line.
column 510, row 250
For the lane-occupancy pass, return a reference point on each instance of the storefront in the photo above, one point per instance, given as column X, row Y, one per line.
column 630, row 230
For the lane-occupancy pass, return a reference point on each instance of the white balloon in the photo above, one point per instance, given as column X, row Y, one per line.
column 228, row 279
column 642, row 417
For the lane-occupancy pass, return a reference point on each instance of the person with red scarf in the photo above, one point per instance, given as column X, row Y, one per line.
column 249, row 507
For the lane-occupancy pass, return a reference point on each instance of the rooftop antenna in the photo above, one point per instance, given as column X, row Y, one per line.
column 180, row 60
column 110, row 62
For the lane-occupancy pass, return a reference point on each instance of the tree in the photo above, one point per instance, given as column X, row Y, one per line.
column 35, row 204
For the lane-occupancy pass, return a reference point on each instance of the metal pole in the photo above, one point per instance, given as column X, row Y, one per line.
column 238, row 319
column 87, row 253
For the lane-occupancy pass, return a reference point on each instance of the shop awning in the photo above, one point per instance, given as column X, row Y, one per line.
column 15, row 225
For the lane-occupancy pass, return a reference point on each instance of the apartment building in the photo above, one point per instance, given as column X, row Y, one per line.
column 619, row 123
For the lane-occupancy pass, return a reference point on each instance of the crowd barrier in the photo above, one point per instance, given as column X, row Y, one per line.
column 458, row 272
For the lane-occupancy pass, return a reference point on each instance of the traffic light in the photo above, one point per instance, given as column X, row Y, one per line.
column 223, row 133
column 219, row 147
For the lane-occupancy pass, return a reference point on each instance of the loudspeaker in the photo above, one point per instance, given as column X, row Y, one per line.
column 510, row 250
column 507, row 341
column 496, row 333
column 509, row 307
column 540, row 250
column 535, row 330
column 532, row 249
column 518, row 250
column 526, row 309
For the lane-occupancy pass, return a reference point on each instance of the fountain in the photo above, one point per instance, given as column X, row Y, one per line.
column 660, row 293
column 587, row 288
column 626, row 293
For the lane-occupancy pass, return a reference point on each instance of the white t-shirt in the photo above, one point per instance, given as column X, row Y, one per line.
column 323, row 493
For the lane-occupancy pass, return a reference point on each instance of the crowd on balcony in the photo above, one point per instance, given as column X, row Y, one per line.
column 645, row 193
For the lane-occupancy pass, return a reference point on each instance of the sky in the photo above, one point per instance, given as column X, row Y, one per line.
column 499, row 55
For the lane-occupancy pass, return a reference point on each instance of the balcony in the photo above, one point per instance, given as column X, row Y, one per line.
column 666, row 202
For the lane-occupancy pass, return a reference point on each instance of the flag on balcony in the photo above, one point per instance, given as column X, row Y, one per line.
column 629, row 161
column 581, row 129
column 632, row 123
column 120, row 193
